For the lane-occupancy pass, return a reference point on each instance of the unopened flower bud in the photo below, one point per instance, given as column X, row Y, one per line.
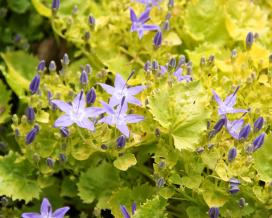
column 88, row 69
column 200, row 150
column 182, row 61
column 242, row 202
column 258, row 124
column 121, row 141
column 50, row 162
column 55, row 5
column 234, row 189
column 35, row 84
column 202, row 61
column 91, row 96
column 157, row 39
column 211, row 60
column 147, row 66
column 234, row 181
column 52, row 66
column 84, row 78
column 232, row 154
column 172, row 63
column 91, row 21
column 171, row 3
column 64, row 131
column 87, row 36
column 133, row 208
column 249, row 40
column 62, row 158
column 155, row 65
column 157, row 132
column 214, row 212
column 31, row 135
column 258, row 141
column 166, row 25
column 244, row 132
column 160, row 182
column 270, row 58
column 66, row 59
column 30, row 114
column 104, row 147
column 41, row 66
column 233, row 54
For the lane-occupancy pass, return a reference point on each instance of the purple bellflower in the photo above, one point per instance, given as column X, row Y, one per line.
column 180, row 77
column 76, row 113
column 119, row 118
column 46, row 211
column 121, row 90
column 138, row 24
column 226, row 107
column 234, row 127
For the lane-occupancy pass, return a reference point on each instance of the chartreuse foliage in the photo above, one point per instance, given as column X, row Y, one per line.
column 176, row 162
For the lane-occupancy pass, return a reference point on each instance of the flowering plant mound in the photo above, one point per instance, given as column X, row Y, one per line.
column 149, row 108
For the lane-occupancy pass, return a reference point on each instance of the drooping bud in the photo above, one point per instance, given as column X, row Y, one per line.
column 214, row 212
column 50, row 162
column 35, row 84
column 88, row 69
column 133, row 208
column 121, row 141
column 31, row 135
column 91, row 96
column 232, row 154
column 30, row 114
column 52, row 66
column 91, row 20
column 84, row 78
column 171, row 3
column 258, row 141
column 249, row 40
column 64, row 132
column 62, row 158
column 66, row 59
column 160, row 182
column 172, row 63
column 41, row 66
column 157, row 39
column 258, row 124
column 244, row 132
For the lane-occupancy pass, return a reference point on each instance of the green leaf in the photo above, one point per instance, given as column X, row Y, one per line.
column 21, row 70
column 125, row 161
column 196, row 212
column 5, row 96
column 152, row 208
column 97, row 182
column 15, row 178
column 20, row 6
column 263, row 159
column 42, row 9
column 181, row 110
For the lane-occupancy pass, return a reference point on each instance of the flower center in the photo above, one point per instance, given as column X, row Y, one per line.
column 77, row 115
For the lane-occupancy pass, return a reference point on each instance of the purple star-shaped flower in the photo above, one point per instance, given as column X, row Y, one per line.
column 121, row 90
column 180, row 77
column 118, row 117
column 76, row 113
column 235, row 127
column 226, row 107
column 138, row 24
column 46, row 211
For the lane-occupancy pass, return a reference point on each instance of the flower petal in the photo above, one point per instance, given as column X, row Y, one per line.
column 63, row 121
column 133, row 16
column 133, row 100
column 217, row 98
column 114, row 101
column 235, row 127
column 79, row 101
column 135, row 90
column 108, row 120
column 124, row 211
column 94, row 111
column 123, row 129
column 149, row 27
column 59, row 213
column 140, row 33
column 31, row 215
column 144, row 16
column 234, row 111
column 119, row 82
column 107, row 88
column 134, row 118
column 85, row 123
column 63, row 106
column 163, row 70
column 230, row 100
column 46, row 208
column 108, row 108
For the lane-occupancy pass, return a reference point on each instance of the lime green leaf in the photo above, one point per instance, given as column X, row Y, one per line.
column 263, row 159
column 5, row 96
column 42, row 9
column 125, row 161
column 181, row 110
column 152, row 208
column 98, row 181
column 192, row 181
column 19, row 7
column 196, row 212
column 15, row 179
column 171, row 39
column 21, row 70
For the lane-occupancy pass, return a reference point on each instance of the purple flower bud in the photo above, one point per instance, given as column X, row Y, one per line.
column 210, row 146
column 171, row 3
column 232, row 154
column 133, row 208
column 84, row 78
column 242, row 202
column 155, row 65
column 182, row 60
column 234, row 181
column 104, row 147
column 62, row 158
column 166, row 25
column 17, row 132
column 258, row 141
column 161, row 164
column 234, row 189
column 66, row 59
column 75, row 9
column 258, row 124
column 91, row 21
column 124, row 211
column 172, row 63
column 214, row 212
column 41, row 66
column 211, row 60
column 217, row 127
column 244, row 132
column 31, row 135
column 88, row 68
column 157, row 39
column 160, row 182
column 35, row 84
column 147, row 66
column 55, row 5
column 91, row 96
column 64, row 131
column 200, row 150
column 249, row 40
column 168, row 16
column 52, row 66
column 50, row 162
column 30, row 114
column 121, row 141
column 233, row 54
